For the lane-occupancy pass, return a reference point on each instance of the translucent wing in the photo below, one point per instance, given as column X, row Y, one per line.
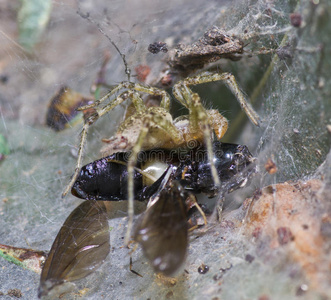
column 80, row 247
column 162, row 229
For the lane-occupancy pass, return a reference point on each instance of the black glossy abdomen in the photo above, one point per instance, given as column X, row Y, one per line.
column 105, row 179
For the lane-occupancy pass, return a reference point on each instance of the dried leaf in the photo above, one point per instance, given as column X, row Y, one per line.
column 26, row 258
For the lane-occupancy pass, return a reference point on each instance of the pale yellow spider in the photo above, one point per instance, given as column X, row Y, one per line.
column 154, row 127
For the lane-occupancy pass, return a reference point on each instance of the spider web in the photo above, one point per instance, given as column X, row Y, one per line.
column 293, row 101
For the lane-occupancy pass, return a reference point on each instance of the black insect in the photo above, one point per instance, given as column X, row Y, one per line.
column 162, row 230
column 106, row 178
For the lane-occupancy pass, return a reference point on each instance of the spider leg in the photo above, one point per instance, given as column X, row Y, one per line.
column 87, row 123
column 230, row 81
column 105, row 97
column 199, row 120
column 216, row 120
column 165, row 101
column 131, row 164
column 82, row 142
column 150, row 120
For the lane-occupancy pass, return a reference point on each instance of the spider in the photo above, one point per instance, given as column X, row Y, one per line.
column 154, row 127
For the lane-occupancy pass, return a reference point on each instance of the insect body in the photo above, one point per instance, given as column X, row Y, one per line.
column 162, row 230
column 106, row 178
column 176, row 177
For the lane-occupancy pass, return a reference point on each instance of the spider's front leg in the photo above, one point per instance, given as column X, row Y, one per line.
column 165, row 100
column 204, row 121
column 131, row 164
column 96, row 103
column 90, row 120
column 83, row 136
column 200, row 122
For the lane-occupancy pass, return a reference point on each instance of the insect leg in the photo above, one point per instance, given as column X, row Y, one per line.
column 194, row 200
column 133, row 271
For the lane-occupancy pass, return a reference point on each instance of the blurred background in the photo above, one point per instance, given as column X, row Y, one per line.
column 284, row 71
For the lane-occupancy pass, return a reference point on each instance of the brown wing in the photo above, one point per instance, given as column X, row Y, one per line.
column 80, row 247
column 162, row 230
